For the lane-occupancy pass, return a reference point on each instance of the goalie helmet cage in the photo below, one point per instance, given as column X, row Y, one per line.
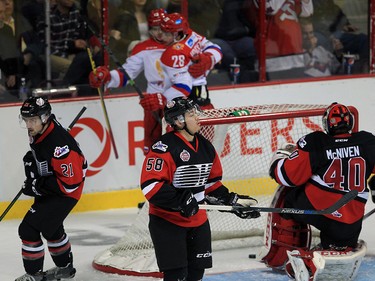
column 245, row 144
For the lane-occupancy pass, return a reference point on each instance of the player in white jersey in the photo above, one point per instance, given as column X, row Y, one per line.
column 145, row 57
column 187, row 60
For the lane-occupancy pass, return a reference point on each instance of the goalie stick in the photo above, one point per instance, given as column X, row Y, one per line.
column 337, row 205
column 20, row 192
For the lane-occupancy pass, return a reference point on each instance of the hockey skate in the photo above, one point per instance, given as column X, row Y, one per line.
column 28, row 277
column 58, row 273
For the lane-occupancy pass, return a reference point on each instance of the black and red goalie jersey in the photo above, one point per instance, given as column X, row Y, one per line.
column 59, row 160
column 330, row 166
column 174, row 165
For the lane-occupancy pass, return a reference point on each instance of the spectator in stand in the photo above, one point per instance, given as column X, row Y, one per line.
column 130, row 25
column 69, row 42
column 284, row 51
column 335, row 32
column 319, row 61
column 8, row 52
column 235, row 37
column 203, row 16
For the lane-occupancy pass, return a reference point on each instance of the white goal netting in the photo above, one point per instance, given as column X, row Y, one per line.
column 245, row 143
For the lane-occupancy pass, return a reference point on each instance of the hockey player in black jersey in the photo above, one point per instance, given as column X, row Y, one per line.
column 181, row 171
column 55, row 172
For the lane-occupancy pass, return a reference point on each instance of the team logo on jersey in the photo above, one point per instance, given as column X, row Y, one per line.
column 60, row 151
column 160, row 146
column 302, row 143
column 185, row 156
column 337, row 214
column 178, row 46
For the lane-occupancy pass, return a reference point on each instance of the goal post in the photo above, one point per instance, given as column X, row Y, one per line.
column 245, row 139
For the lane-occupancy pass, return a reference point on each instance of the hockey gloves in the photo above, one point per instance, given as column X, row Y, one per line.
column 371, row 184
column 281, row 153
column 31, row 170
column 201, row 64
column 245, row 201
column 153, row 102
column 32, row 187
column 99, row 77
column 188, row 204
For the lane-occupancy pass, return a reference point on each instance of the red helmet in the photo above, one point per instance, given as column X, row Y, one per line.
column 337, row 119
column 174, row 23
column 155, row 17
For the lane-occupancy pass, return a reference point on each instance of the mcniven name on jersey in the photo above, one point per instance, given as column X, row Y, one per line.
column 343, row 152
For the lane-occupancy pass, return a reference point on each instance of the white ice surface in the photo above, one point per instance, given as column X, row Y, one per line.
column 95, row 231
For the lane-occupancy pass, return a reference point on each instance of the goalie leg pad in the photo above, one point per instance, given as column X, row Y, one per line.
column 325, row 264
column 282, row 234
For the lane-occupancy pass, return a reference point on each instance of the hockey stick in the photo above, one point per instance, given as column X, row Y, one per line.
column 20, row 192
column 103, row 106
column 337, row 205
column 121, row 68
column 368, row 214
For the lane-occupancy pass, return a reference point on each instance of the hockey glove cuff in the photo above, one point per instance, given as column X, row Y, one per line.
column 201, row 64
column 31, row 170
column 32, row 187
column 99, row 77
column 153, row 102
column 188, row 204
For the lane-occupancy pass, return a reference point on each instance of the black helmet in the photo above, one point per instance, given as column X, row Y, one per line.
column 36, row 106
column 337, row 119
column 177, row 107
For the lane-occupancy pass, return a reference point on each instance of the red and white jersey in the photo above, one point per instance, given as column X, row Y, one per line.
column 329, row 167
column 176, row 60
column 174, row 165
column 145, row 57
column 283, row 31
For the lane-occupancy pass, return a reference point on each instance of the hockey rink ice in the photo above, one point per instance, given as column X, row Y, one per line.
column 93, row 232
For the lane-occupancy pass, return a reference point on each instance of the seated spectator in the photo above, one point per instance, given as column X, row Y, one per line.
column 319, row 61
column 235, row 37
column 69, row 43
column 203, row 16
column 130, row 25
column 8, row 53
column 284, row 51
column 335, row 33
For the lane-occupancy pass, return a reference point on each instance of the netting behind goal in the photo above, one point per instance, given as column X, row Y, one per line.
column 245, row 143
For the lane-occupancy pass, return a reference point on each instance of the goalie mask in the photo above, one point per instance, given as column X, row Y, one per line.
column 36, row 106
column 337, row 119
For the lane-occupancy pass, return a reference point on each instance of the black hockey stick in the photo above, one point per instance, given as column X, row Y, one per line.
column 20, row 192
column 368, row 214
column 337, row 205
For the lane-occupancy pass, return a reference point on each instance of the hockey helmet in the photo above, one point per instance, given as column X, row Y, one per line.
column 174, row 22
column 337, row 119
column 178, row 107
column 36, row 106
column 155, row 17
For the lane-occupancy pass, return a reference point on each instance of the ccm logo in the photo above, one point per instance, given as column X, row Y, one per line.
column 205, row 255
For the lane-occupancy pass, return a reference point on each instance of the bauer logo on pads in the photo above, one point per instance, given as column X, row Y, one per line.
column 60, row 151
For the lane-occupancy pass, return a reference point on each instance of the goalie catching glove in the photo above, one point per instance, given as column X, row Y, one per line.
column 201, row 64
column 282, row 153
column 99, row 77
column 153, row 102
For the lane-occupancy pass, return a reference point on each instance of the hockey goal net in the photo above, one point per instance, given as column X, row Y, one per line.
column 245, row 139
